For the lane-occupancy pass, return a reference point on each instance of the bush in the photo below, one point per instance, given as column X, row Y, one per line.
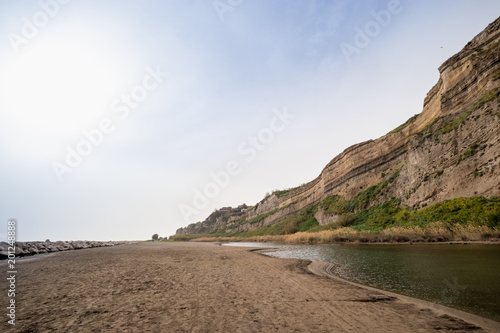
column 311, row 222
column 346, row 219
column 334, row 205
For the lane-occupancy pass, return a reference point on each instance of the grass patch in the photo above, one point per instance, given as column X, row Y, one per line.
column 282, row 193
column 471, row 151
column 334, row 205
column 261, row 217
column 301, row 221
column 493, row 46
column 338, row 205
column 463, row 211
column 403, row 126
column 477, row 210
column 364, row 199
column 455, row 123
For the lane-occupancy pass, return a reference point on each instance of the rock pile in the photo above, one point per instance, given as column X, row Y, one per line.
column 31, row 248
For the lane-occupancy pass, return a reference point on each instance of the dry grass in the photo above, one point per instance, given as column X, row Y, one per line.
column 434, row 232
column 260, row 239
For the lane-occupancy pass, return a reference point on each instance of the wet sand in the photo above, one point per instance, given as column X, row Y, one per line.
column 204, row 287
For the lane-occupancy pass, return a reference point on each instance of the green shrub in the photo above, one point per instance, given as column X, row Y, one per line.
column 471, row 151
column 403, row 126
column 347, row 219
column 334, row 205
column 455, row 123
column 261, row 217
column 282, row 193
column 311, row 222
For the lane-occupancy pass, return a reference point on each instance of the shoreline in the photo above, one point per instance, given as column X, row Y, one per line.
column 322, row 268
column 202, row 287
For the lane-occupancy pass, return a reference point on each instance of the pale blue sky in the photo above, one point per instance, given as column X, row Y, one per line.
column 226, row 79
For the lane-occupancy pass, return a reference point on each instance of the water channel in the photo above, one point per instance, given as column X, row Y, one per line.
column 466, row 277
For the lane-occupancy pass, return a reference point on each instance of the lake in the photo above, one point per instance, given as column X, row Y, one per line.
column 465, row 277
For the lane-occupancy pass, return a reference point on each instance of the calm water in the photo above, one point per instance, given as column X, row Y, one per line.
column 465, row 277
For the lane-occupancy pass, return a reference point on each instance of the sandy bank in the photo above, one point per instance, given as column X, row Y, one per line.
column 199, row 287
column 324, row 269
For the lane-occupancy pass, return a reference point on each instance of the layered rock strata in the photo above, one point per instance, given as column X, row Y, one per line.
column 451, row 149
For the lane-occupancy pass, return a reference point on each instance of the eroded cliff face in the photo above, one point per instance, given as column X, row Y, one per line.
column 451, row 149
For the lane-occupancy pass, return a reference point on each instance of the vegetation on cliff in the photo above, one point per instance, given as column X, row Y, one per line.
column 456, row 120
column 475, row 218
column 376, row 210
column 465, row 219
column 435, row 176
column 360, row 217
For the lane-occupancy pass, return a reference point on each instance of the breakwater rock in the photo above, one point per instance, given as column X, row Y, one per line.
column 23, row 249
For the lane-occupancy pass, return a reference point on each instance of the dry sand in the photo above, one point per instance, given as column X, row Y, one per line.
column 200, row 287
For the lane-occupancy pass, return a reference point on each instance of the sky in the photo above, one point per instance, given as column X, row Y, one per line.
column 122, row 119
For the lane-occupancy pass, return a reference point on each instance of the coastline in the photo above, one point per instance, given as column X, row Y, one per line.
column 417, row 286
column 322, row 268
column 202, row 287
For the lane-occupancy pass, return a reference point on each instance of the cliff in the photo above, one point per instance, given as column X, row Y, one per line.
column 450, row 150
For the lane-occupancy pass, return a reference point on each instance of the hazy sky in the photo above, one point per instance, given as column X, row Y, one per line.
column 121, row 119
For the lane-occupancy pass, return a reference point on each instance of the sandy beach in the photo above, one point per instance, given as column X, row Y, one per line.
column 205, row 287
